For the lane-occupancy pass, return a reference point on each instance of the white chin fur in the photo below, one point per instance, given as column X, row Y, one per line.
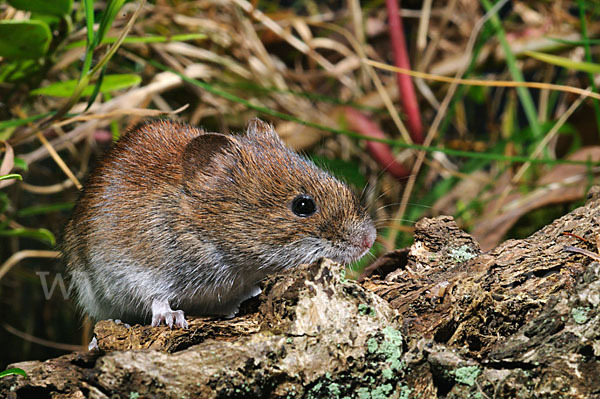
column 308, row 250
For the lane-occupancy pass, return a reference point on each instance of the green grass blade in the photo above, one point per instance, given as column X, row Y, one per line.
column 575, row 42
column 97, row 87
column 22, row 121
column 9, row 176
column 588, row 57
column 564, row 62
column 395, row 143
column 88, row 6
column 517, row 75
column 42, row 234
column 108, row 17
column 145, row 39
column 13, row 371
column 45, row 209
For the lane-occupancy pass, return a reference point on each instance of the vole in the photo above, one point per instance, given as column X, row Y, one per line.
column 176, row 216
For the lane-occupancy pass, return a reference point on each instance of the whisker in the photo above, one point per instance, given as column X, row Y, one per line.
column 400, row 220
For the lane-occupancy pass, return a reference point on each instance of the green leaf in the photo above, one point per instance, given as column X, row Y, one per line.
column 21, row 164
column 44, row 209
column 53, row 7
column 24, row 39
column 564, row 62
column 109, row 84
column 43, row 235
column 11, row 176
column 51, row 20
column 13, row 71
column 13, row 371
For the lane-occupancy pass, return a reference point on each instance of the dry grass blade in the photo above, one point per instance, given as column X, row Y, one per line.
column 433, row 129
column 8, row 162
column 41, row 341
column 144, row 112
column 28, row 253
column 484, row 83
column 538, row 150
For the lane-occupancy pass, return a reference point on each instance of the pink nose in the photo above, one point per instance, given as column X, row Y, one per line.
column 368, row 238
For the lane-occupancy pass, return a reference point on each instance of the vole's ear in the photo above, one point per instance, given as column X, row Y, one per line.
column 260, row 130
column 200, row 152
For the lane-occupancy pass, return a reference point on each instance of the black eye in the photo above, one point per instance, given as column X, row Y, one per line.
column 304, row 206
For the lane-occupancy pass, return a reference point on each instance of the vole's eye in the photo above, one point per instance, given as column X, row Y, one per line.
column 304, row 206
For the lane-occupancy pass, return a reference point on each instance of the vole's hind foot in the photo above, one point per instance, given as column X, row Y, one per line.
column 162, row 312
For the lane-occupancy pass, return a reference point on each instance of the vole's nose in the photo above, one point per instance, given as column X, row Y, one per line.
column 368, row 237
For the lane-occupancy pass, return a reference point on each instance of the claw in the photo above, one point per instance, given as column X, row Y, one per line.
column 162, row 312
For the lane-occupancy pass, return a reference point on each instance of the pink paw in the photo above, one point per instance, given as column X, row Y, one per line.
column 162, row 312
column 170, row 318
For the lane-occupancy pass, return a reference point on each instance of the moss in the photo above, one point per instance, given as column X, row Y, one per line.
column 134, row 395
column 580, row 315
column 467, row 375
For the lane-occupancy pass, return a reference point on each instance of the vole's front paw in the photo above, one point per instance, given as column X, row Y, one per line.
column 173, row 317
column 162, row 312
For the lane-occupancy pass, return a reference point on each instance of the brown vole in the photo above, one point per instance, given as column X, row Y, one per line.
column 175, row 216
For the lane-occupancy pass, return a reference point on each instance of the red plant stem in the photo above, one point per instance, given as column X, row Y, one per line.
column 406, row 89
column 381, row 152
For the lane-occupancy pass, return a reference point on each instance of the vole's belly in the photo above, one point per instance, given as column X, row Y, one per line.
column 225, row 303
column 195, row 286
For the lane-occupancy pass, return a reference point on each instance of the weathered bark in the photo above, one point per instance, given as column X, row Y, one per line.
column 440, row 320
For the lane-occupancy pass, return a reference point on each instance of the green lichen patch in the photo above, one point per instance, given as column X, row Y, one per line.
column 580, row 315
column 391, row 348
column 461, row 254
column 405, row 392
column 372, row 345
column 466, row 375
column 366, row 309
column 388, row 374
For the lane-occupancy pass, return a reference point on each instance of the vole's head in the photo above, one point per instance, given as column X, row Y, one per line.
column 267, row 205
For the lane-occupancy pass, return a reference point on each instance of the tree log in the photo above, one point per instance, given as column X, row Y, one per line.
column 440, row 319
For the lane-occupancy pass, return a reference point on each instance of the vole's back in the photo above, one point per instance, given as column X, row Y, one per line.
column 110, row 242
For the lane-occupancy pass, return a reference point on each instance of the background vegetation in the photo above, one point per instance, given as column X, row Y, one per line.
column 504, row 161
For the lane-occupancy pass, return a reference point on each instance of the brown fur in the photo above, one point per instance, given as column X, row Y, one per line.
column 197, row 219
